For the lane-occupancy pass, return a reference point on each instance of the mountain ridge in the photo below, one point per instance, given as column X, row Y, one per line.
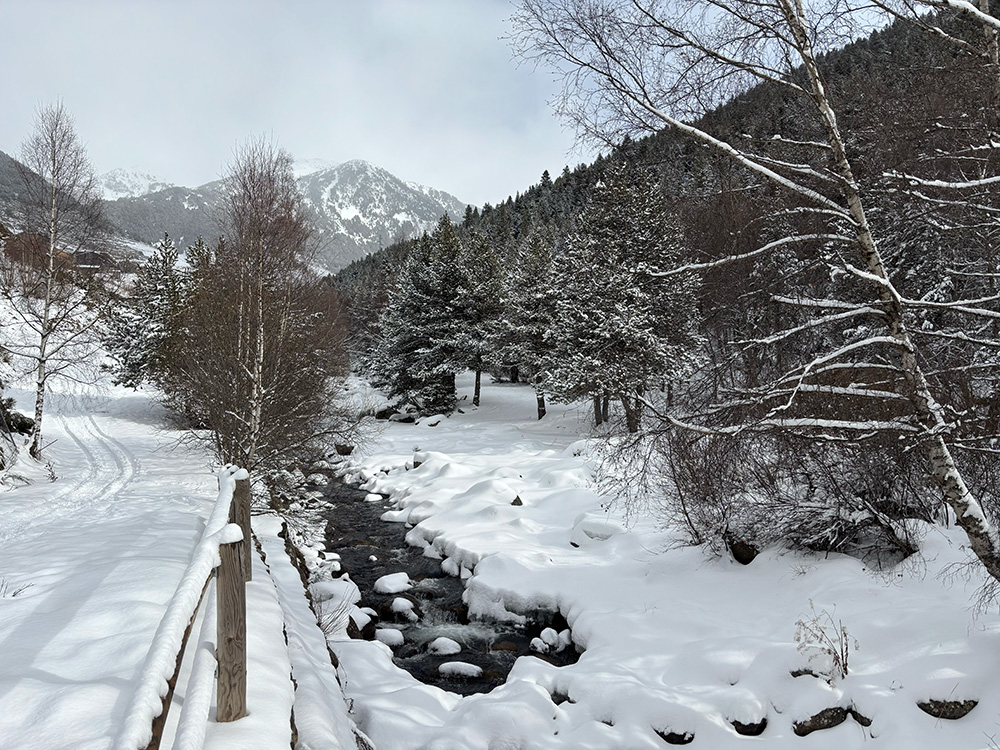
column 357, row 208
column 129, row 183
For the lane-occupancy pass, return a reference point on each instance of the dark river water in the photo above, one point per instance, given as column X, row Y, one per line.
column 370, row 548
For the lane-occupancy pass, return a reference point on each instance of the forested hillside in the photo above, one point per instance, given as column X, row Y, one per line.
column 770, row 349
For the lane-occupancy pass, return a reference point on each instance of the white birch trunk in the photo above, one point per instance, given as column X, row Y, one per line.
column 256, row 401
column 35, row 451
column 946, row 475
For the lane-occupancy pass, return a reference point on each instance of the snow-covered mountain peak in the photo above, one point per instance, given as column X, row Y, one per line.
column 129, row 183
column 305, row 167
column 372, row 207
column 357, row 208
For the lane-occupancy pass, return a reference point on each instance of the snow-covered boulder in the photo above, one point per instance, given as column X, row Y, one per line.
column 444, row 646
column 394, row 583
column 460, row 669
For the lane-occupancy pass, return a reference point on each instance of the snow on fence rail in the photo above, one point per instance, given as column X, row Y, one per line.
column 224, row 544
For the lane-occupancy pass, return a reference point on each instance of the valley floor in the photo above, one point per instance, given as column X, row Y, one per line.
column 676, row 644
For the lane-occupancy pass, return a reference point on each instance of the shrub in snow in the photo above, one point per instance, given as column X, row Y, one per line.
column 742, row 493
column 340, row 589
column 825, row 643
column 333, row 615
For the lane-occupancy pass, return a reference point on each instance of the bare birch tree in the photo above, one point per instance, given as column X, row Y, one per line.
column 59, row 213
column 632, row 66
column 264, row 336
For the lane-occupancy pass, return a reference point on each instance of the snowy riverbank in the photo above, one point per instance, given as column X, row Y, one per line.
column 675, row 643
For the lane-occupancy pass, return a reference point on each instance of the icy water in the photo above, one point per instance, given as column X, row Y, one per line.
column 370, row 548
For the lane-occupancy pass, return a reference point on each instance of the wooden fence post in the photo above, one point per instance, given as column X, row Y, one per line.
column 231, row 634
column 241, row 502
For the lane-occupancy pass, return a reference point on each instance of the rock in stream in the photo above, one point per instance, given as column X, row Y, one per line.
column 425, row 605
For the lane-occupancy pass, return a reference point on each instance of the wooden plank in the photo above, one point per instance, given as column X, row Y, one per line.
column 231, row 633
column 241, row 501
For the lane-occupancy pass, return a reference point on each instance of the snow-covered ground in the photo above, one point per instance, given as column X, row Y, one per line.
column 93, row 545
column 89, row 556
column 675, row 642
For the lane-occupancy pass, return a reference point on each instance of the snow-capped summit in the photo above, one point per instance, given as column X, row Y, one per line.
column 360, row 207
column 303, row 167
column 129, row 183
column 357, row 208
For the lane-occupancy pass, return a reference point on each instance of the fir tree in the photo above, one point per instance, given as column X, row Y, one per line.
column 144, row 328
column 479, row 304
column 618, row 328
column 419, row 355
column 519, row 340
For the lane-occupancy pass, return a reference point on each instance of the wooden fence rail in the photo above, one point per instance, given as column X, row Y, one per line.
column 224, row 548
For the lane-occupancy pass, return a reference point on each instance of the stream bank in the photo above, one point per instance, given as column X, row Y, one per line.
column 421, row 615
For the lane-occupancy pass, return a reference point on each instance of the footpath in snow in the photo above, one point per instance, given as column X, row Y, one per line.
column 93, row 545
column 677, row 646
column 90, row 554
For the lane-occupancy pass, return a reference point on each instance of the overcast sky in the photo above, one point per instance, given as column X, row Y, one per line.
column 424, row 88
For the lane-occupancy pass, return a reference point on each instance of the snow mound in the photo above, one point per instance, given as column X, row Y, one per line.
column 389, row 636
column 338, row 590
column 444, row 646
column 406, row 608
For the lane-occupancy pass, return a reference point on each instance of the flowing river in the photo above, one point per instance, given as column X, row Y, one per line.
column 370, row 548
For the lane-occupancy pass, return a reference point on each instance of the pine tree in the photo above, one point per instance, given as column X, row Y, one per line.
column 618, row 328
column 419, row 355
column 479, row 304
column 145, row 326
column 519, row 340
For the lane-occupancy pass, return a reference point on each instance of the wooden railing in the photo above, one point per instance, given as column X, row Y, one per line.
column 224, row 548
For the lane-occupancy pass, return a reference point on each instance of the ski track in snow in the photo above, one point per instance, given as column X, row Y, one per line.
column 107, row 469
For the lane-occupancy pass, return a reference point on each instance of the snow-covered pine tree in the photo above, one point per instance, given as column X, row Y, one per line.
column 618, row 329
column 519, row 339
column 479, row 303
column 418, row 356
column 143, row 329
